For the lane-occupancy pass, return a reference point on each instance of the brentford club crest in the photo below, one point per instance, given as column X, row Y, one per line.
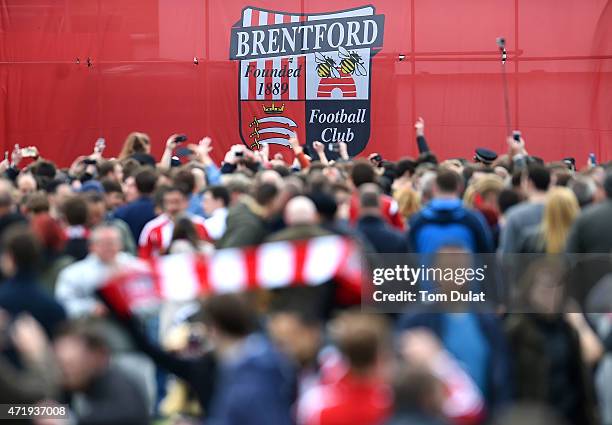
column 306, row 74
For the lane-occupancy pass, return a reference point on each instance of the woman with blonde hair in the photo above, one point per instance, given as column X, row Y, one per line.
column 482, row 196
column 560, row 211
column 409, row 202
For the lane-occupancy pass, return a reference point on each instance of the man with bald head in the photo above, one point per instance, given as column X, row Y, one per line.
column 302, row 221
column 372, row 226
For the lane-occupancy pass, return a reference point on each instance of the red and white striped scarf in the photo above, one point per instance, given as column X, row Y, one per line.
column 182, row 277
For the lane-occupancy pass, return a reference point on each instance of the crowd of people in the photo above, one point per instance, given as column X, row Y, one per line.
column 295, row 355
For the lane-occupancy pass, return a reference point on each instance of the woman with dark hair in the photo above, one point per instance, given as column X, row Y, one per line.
column 185, row 238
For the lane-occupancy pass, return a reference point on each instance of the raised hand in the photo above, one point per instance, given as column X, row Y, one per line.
column 294, row 143
column 419, row 126
column 171, row 142
column 16, row 156
column 318, row 147
column 516, row 147
column 343, row 151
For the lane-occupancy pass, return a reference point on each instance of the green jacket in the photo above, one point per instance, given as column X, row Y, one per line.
column 245, row 225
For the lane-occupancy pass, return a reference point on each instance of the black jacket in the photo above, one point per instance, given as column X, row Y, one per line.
column 381, row 236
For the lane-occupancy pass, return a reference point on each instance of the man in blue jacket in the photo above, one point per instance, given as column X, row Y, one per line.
column 444, row 221
column 140, row 211
column 255, row 384
column 371, row 225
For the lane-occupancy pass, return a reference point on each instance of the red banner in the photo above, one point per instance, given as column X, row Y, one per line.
column 75, row 70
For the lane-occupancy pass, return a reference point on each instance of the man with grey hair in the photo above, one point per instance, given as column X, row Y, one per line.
column 77, row 283
column 584, row 188
column 383, row 237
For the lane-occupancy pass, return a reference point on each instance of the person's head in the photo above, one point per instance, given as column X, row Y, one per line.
column 130, row 190
column 26, row 184
column 229, row 318
column 175, row 201
column 408, row 201
column 184, row 230
column 96, row 208
column 145, row 181
column 82, row 354
column 75, row 211
column 362, row 172
column 296, row 333
column 507, row 198
column 199, row 177
column 269, row 176
column 185, row 179
column 36, row 203
column 369, row 199
column 58, row 192
column 237, row 185
column 417, row 390
column 135, row 143
column 300, row 210
column 44, row 169
column 266, row 195
column 542, row 287
column 405, row 167
column 325, row 204
column 113, row 194
column 130, row 167
column 483, row 194
column 585, row 189
column 20, row 250
column 111, row 169
column 49, row 232
column 537, row 179
column 105, row 243
column 6, row 196
column 363, row 340
column 560, row 211
column 447, row 184
column 215, row 197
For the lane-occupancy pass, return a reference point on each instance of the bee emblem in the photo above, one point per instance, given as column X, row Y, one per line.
column 351, row 62
column 326, row 66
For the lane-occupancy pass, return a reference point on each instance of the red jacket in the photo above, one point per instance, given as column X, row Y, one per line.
column 156, row 236
column 346, row 399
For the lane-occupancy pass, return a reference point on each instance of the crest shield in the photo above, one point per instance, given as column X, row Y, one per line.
column 307, row 74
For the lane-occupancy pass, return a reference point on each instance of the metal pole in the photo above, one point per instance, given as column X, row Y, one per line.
column 501, row 43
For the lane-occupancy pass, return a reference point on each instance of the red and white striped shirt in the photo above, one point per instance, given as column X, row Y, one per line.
column 156, row 235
